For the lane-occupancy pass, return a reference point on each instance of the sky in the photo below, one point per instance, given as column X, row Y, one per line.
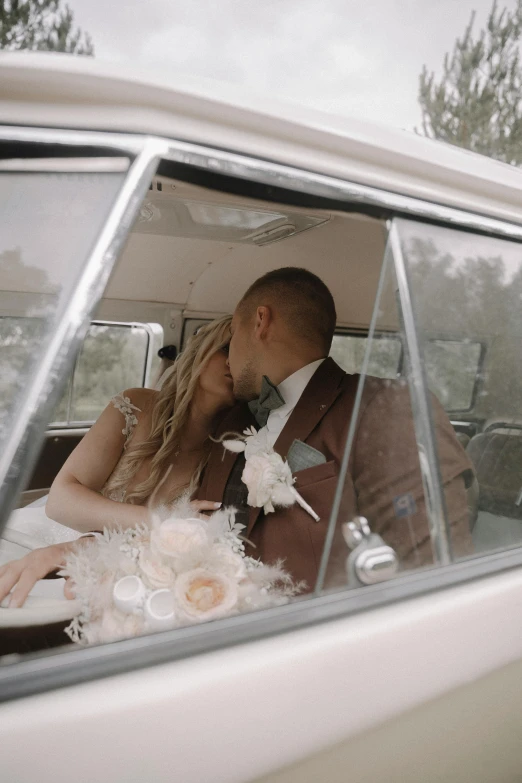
column 359, row 59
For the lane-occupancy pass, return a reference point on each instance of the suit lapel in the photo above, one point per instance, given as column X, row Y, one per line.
column 318, row 397
column 222, row 461
column 316, row 400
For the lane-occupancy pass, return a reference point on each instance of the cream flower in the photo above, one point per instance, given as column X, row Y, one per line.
column 267, row 476
column 261, row 474
column 227, row 562
column 154, row 571
column 202, row 595
column 178, row 537
column 256, row 442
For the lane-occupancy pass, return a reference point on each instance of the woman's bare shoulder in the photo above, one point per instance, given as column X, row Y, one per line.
column 144, row 399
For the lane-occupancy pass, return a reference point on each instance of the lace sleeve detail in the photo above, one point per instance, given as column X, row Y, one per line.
column 125, row 406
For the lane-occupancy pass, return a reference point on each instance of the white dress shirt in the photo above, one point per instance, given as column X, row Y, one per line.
column 291, row 390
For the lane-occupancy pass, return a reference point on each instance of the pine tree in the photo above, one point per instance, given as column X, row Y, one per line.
column 477, row 104
column 41, row 25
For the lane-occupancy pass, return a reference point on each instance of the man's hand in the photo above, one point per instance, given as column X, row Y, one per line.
column 20, row 576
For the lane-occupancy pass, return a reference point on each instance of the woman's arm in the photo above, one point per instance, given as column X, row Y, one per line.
column 74, row 498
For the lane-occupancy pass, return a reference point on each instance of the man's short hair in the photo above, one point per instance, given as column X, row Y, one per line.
column 301, row 297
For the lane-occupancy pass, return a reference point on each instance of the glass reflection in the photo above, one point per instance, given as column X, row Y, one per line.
column 48, row 223
column 385, row 482
column 468, row 290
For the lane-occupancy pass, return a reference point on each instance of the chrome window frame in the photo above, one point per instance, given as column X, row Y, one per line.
column 44, row 671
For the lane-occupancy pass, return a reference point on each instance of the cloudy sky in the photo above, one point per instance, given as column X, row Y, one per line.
column 351, row 58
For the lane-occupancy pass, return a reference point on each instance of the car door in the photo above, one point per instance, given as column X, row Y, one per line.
column 284, row 692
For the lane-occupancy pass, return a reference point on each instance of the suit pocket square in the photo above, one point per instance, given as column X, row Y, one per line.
column 301, row 456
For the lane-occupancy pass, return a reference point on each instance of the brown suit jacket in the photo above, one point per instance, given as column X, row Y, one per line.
column 383, row 469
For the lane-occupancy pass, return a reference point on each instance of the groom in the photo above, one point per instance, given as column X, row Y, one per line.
column 281, row 335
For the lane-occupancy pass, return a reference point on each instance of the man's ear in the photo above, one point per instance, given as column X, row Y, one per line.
column 263, row 321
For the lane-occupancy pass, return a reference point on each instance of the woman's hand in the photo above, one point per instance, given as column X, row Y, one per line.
column 20, row 576
column 201, row 506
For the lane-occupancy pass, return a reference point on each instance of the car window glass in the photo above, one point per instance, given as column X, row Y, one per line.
column 349, row 350
column 112, row 358
column 190, row 327
column 386, row 473
column 49, row 222
column 452, row 367
column 470, row 287
column 381, row 503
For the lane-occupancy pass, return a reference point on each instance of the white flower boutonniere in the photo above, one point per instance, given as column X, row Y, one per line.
column 266, row 475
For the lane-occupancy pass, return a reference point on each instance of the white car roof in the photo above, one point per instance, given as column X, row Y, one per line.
column 54, row 90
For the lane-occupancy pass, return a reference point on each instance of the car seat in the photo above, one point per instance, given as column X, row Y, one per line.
column 497, row 456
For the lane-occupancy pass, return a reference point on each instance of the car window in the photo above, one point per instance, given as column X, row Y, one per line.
column 371, row 485
column 470, row 288
column 453, row 368
column 349, row 350
column 49, row 223
column 190, row 327
column 381, row 519
column 113, row 357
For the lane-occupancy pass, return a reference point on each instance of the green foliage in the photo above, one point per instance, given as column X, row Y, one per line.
column 473, row 296
column 41, row 25
column 112, row 359
column 477, row 102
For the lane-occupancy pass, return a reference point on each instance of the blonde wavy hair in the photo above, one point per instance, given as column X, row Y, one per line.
column 169, row 416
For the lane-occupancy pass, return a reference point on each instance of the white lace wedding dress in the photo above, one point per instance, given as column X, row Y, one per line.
column 30, row 527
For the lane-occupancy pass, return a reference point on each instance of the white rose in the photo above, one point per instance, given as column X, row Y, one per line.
column 227, row 562
column 177, row 537
column 261, row 474
column 202, row 595
column 154, row 571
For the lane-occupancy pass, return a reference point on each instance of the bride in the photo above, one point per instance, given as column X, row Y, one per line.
column 145, row 442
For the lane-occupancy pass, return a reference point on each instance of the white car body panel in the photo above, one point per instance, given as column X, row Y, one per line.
column 50, row 90
column 237, row 714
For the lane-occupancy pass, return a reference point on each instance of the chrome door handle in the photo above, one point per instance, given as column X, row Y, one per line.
column 371, row 559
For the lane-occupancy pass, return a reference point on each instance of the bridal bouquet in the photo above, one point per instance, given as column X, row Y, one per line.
column 177, row 571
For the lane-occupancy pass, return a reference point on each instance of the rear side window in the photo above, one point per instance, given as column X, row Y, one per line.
column 114, row 356
column 348, row 351
column 50, row 220
column 453, row 368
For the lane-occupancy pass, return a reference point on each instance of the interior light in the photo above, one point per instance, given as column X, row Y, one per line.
column 166, row 215
column 229, row 217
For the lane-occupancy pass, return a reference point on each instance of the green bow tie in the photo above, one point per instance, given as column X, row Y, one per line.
column 269, row 400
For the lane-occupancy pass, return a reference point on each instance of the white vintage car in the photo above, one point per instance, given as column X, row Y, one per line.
column 130, row 212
